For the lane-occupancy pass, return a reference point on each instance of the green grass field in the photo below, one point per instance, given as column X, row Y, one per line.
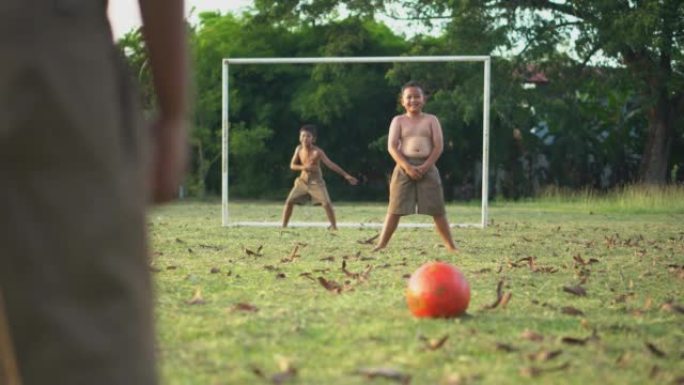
column 245, row 305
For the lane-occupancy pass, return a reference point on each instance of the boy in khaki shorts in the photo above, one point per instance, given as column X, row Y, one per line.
column 310, row 183
column 415, row 143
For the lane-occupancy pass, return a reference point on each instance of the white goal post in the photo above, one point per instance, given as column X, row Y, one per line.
column 486, row 60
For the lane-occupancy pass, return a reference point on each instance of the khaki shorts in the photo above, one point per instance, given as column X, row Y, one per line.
column 73, row 257
column 423, row 196
column 309, row 189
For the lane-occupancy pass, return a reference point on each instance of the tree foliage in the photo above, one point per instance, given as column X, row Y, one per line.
column 605, row 117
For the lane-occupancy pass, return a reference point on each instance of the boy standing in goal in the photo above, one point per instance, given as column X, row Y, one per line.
column 415, row 143
column 310, row 184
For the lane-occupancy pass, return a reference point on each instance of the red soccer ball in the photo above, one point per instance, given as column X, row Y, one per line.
column 437, row 289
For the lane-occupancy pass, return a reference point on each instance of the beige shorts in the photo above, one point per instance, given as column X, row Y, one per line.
column 311, row 189
column 423, row 196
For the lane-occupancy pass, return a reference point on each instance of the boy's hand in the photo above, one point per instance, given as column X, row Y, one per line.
column 352, row 181
column 309, row 166
column 412, row 172
column 422, row 169
column 169, row 158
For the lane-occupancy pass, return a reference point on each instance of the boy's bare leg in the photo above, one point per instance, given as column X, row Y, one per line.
column 287, row 213
column 391, row 223
column 331, row 216
column 444, row 231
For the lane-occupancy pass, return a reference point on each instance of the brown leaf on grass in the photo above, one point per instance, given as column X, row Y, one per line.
column 582, row 262
column 246, row 307
column 532, row 336
column 281, row 275
column 211, row 247
column 576, row 290
column 575, row 341
column 457, row 379
column 655, row 350
column 622, row 298
column 433, row 343
column 362, row 276
column 330, row 285
column 505, row 347
column 505, row 299
column 270, row 268
column 171, row 267
column 544, row 355
column 308, row 275
column 501, row 298
column 252, row 253
column 386, row 373
column 569, row 310
column 258, row 372
column 196, row 298
column 678, row 381
column 534, row 371
column 370, row 240
column 672, row 307
column 529, row 261
column 293, row 255
column 214, row 270
column 329, row 258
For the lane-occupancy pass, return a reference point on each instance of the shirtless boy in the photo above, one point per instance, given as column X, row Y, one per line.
column 415, row 143
column 310, row 184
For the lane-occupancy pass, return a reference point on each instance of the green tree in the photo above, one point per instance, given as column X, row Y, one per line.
column 644, row 37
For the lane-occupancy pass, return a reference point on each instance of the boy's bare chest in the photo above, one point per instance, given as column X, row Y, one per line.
column 413, row 128
column 308, row 155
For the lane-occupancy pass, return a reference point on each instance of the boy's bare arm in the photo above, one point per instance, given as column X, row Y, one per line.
column 165, row 36
column 333, row 166
column 295, row 163
column 437, row 146
column 393, row 142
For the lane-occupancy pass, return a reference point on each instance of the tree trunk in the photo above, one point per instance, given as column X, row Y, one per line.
column 656, row 155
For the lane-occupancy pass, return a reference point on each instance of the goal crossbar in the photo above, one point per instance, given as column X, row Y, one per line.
column 226, row 62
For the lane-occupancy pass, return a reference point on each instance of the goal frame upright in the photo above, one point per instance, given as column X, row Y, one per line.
column 226, row 62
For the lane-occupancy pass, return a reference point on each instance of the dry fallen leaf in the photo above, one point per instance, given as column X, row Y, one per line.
column 544, row 355
column 655, row 350
column 387, row 373
column 254, row 253
column 434, row 344
column 531, row 336
column 506, row 347
column 246, row 307
column 370, row 240
column 576, row 290
column 293, row 255
column 330, row 285
column 569, row 310
column 501, row 298
column 196, row 298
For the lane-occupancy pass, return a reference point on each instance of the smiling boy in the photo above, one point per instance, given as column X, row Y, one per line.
column 415, row 143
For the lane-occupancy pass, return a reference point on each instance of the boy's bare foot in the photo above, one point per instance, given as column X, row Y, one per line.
column 332, row 228
column 378, row 248
column 453, row 250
